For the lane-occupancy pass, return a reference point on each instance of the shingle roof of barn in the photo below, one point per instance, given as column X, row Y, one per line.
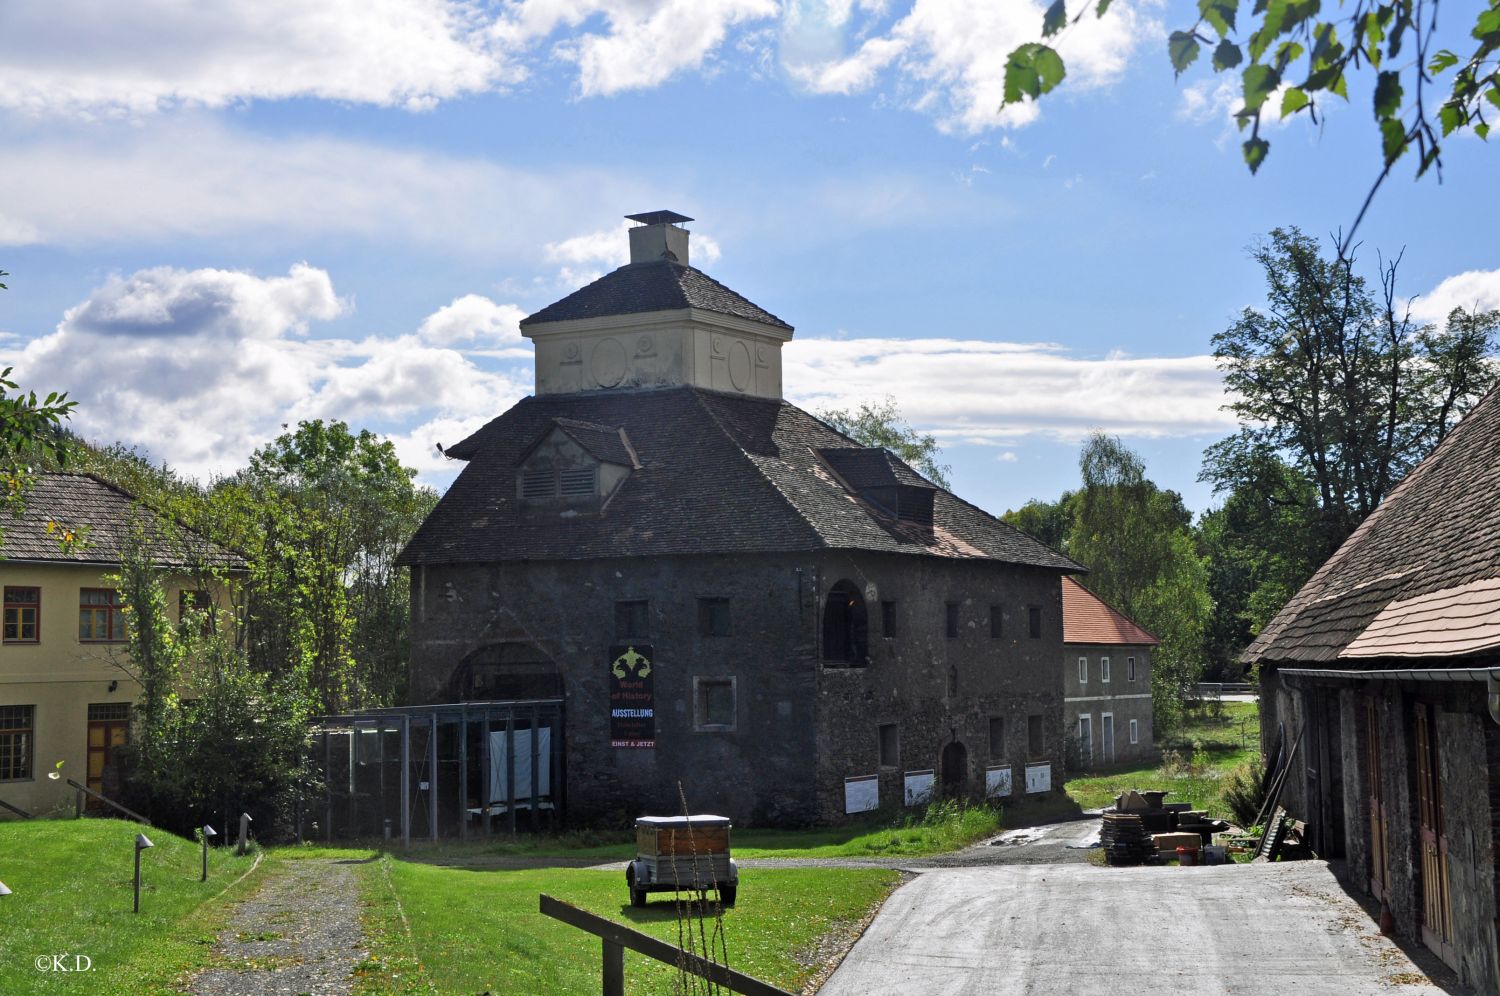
column 104, row 515
column 720, row 473
column 655, row 285
column 1438, row 531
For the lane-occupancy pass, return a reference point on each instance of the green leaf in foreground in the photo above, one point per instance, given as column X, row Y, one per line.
column 1292, row 101
column 1055, row 18
column 1255, row 152
column 1031, row 71
column 1226, row 56
column 1183, row 48
column 1387, row 95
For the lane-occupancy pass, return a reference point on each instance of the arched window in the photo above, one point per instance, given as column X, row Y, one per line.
column 506, row 672
column 846, row 636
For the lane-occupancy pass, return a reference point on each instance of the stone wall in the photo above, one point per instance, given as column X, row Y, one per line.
column 761, row 773
column 910, row 675
column 802, row 726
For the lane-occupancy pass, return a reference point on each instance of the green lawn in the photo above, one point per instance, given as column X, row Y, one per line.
column 1217, row 742
column 71, row 883
column 476, row 930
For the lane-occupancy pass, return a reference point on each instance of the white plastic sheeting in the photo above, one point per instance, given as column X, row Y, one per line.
column 521, row 739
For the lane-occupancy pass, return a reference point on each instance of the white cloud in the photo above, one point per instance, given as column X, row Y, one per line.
column 194, row 178
column 649, row 42
column 949, row 57
column 472, row 318
column 200, row 367
column 1479, row 289
column 84, row 57
column 995, row 392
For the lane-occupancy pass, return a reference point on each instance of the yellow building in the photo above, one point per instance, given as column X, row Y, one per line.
column 66, row 679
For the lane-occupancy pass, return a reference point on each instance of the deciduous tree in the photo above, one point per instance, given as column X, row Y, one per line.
column 881, row 424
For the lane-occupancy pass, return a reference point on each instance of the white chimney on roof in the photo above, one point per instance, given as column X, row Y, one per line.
column 659, row 236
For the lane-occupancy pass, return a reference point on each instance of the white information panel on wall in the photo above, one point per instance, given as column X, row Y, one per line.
column 919, row 787
column 997, row 781
column 1038, row 777
column 861, row 794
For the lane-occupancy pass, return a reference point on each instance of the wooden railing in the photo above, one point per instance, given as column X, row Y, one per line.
column 617, row 937
column 84, row 790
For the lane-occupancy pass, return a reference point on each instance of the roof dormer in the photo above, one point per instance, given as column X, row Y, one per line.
column 574, row 463
column 882, row 481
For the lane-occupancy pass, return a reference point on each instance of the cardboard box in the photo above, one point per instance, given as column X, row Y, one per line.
column 1172, row 841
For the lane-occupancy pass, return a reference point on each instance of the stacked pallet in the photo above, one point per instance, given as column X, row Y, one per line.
column 1125, row 839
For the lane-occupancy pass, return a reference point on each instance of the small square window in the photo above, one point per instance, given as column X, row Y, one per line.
column 950, row 620
column 23, row 609
column 890, row 746
column 997, row 622
column 1130, row 668
column 997, row 738
column 1036, row 744
column 713, row 617
column 1034, row 621
column 1083, row 670
column 632, row 620
column 1104, row 669
column 714, row 705
column 1134, row 732
column 888, row 620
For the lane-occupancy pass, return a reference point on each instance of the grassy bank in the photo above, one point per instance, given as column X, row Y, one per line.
column 941, row 827
column 467, row 930
column 1196, row 762
column 71, row 883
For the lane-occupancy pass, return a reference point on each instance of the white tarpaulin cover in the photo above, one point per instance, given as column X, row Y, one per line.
column 498, row 764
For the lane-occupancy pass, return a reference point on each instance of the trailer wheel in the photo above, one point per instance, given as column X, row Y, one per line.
column 727, row 894
column 637, row 897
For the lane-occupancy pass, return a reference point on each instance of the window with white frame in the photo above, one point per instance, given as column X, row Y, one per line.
column 1086, row 739
column 1135, row 735
column 1104, row 669
column 1083, row 670
column 1130, row 668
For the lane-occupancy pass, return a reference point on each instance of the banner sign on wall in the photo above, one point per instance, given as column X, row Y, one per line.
column 919, row 787
column 997, row 781
column 861, row 794
column 632, row 697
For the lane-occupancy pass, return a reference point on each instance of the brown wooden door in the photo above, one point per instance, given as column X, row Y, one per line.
column 1437, row 911
column 1380, row 869
column 104, row 736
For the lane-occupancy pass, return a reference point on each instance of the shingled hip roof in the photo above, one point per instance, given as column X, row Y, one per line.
column 104, row 516
column 656, row 285
column 1416, row 579
column 718, row 473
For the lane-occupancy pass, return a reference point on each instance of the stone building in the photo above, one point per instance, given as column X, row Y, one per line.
column 1384, row 672
column 724, row 591
column 1106, row 681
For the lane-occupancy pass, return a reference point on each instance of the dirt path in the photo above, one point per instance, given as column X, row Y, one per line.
column 299, row 933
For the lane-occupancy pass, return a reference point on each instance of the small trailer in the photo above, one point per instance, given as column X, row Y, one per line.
column 682, row 854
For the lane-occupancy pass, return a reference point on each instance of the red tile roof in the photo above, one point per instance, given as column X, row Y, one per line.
column 1088, row 619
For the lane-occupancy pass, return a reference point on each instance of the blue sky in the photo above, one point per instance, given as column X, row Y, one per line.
column 223, row 219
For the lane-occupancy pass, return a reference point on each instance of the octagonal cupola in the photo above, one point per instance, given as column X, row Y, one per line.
column 657, row 322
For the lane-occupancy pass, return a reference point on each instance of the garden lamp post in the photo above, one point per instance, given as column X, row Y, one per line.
column 208, row 831
column 141, row 843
